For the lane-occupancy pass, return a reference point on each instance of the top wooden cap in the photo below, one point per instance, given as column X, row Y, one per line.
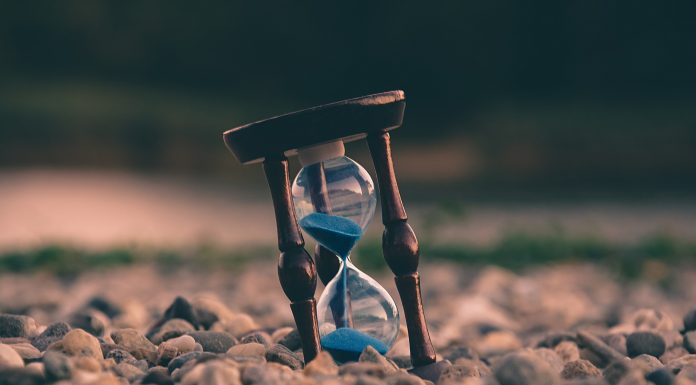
column 346, row 120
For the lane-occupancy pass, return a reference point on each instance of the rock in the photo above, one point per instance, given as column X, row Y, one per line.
column 247, row 350
column 690, row 341
column 633, row 377
column 677, row 364
column 215, row 342
column 181, row 360
column 291, row 340
column 171, row 329
column 497, row 343
column 54, row 332
column 463, row 369
column 157, row 376
column 86, row 363
column 579, row 369
column 651, row 343
column 128, row 371
column 20, row 376
column 16, row 326
column 209, row 310
column 461, row 352
column 119, row 355
column 212, row 373
column 282, row 355
column 362, row 369
column 239, row 325
column 616, row 371
column 79, row 343
column 651, row 319
column 617, row 342
column 181, row 309
column 280, row 333
column 37, row 367
column 688, row 372
column 551, row 340
column 57, row 366
column 367, row 380
column 9, row 358
column 107, row 307
column 690, row 321
column 660, row 377
column 404, row 362
column 170, row 349
column 550, row 357
column 372, row 355
column 598, row 347
column 27, row 351
column 646, row 363
column 92, row 321
column 567, row 351
column 321, row 365
column 524, row 368
column 401, row 378
column 135, row 343
column 258, row 337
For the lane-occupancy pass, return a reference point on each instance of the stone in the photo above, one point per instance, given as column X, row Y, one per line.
column 119, row 355
column 568, row 351
column 646, row 363
column 460, row 352
column 27, row 351
column 37, row 367
column 20, row 376
column 86, row 363
column 367, row 380
column 370, row 354
column 215, row 342
column 92, row 321
column 673, row 353
column 524, row 368
column 291, row 340
column 322, row 365
column 57, row 366
column 497, row 343
column 403, row 362
column 128, row 371
column 598, row 347
column 104, row 305
column 247, row 350
column 79, row 343
column 174, row 347
column 212, row 373
column 54, row 332
column 678, row 363
column 616, row 341
column 171, row 329
column 157, row 376
column 651, row 319
column 579, row 369
column 688, row 372
column 550, row 357
column 401, row 378
column 690, row 321
column 616, row 371
column 660, row 376
column 9, row 358
column 651, row 343
column 362, row 369
column 16, row 326
column 181, row 309
column 181, row 360
column 282, row 355
column 633, row 377
column 210, row 310
column 135, row 343
column 552, row 339
column 463, row 369
column 690, row 341
column 258, row 337
column 239, row 325
column 280, row 333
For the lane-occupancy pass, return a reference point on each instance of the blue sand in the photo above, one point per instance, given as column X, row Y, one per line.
column 346, row 344
column 337, row 234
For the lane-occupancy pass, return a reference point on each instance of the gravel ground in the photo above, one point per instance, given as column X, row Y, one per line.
column 552, row 325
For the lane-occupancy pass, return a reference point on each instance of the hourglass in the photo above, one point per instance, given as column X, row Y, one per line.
column 333, row 199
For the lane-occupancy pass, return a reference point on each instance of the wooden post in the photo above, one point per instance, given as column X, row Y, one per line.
column 400, row 248
column 296, row 270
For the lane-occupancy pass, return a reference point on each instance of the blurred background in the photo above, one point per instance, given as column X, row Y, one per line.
column 534, row 132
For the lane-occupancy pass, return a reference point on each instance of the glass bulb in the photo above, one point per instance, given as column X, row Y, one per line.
column 334, row 202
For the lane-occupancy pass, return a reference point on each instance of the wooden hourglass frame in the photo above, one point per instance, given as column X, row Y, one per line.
column 270, row 141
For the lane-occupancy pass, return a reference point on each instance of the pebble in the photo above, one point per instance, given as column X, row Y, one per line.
column 174, row 347
column 651, row 343
column 362, row 369
column 210, row 310
column 119, row 355
column 401, row 378
column 128, row 371
column 57, row 366
column 579, row 369
column 215, row 342
column 690, row 341
column 616, row 370
column 282, row 355
column 157, row 376
column 212, row 373
column 524, row 368
column 180, row 309
column 616, row 341
column 92, row 321
column 322, row 365
column 370, row 354
column 550, row 357
column 27, row 351
column 291, row 340
column 181, row 360
column 247, row 350
column 598, row 347
column 660, row 377
column 104, row 305
column 688, row 372
column 135, row 343
column 16, row 326
column 690, row 321
column 651, row 319
column 259, row 337
column 677, row 364
column 497, row 343
column 170, row 329
column 646, row 363
column 463, row 369
column 9, row 358
column 54, row 332
column 20, row 376
column 79, row 343
column 239, row 325
column 567, row 351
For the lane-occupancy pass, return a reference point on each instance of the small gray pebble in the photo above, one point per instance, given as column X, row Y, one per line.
column 690, row 341
column 524, row 369
column 54, row 332
column 291, row 340
column 15, row 325
column 651, row 343
column 215, row 342
column 57, row 366
column 282, row 355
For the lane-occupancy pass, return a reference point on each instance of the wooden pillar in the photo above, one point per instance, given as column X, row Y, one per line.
column 296, row 270
column 400, row 248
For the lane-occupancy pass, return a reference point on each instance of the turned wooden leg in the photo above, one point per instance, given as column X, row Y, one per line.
column 400, row 248
column 296, row 270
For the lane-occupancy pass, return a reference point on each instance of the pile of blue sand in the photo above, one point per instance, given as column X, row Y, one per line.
column 337, row 234
column 346, row 344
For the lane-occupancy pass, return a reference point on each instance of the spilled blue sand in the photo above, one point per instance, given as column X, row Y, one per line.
column 346, row 344
column 337, row 234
